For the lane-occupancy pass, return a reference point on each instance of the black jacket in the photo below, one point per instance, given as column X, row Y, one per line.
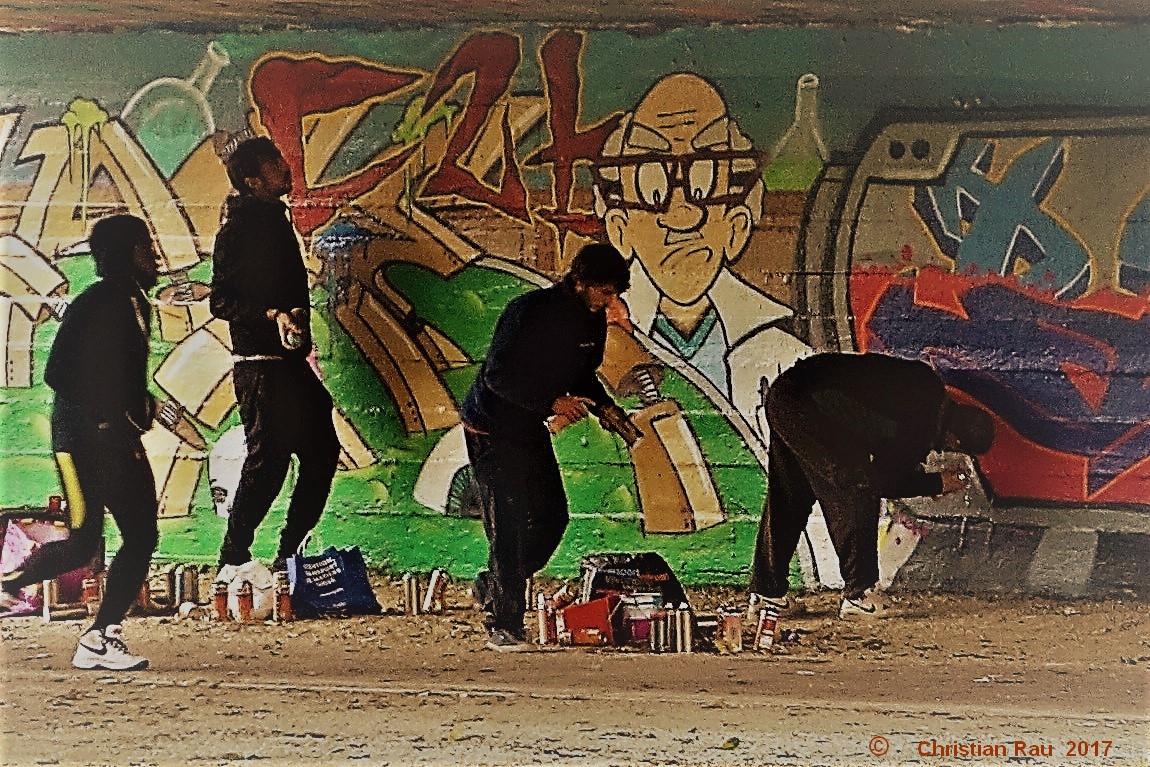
column 98, row 365
column 875, row 417
column 546, row 344
column 257, row 266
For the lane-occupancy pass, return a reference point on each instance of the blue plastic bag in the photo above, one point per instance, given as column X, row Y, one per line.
column 331, row 583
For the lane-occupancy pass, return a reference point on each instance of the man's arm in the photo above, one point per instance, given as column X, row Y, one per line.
column 235, row 276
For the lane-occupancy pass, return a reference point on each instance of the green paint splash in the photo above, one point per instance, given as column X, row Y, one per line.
column 82, row 119
column 412, row 128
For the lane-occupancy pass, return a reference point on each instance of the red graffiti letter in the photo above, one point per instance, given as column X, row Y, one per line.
column 492, row 57
column 286, row 89
column 560, row 56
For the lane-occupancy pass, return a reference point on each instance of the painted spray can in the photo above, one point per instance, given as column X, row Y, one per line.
column 219, row 601
column 411, row 601
column 686, row 628
column 548, row 631
column 281, row 607
column 204, row 587
column 187, row 584
column 433, row 600
column 765, row 629
column 244, row 602
column 729, row 633
column 91, row 594
column 658, row 631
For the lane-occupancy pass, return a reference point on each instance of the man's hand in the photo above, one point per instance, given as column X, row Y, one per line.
column 292, row 328
column 570, row 408
column 618, row 313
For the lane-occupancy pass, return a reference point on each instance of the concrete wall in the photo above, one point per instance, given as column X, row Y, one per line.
column 971, row 195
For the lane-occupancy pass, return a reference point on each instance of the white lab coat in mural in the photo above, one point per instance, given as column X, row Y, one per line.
column 749, row 347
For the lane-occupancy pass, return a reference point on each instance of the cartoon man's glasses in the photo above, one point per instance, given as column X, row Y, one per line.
column 724, row 177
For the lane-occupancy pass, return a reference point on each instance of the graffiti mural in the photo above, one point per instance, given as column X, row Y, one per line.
column 439, row 173
column 1018, row 273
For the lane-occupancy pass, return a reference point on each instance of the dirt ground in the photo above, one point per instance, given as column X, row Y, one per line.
column 946, row 680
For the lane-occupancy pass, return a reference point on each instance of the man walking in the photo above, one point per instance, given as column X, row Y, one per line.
column 98, row 369
column 540, row 367
column 848, row 430
column 260, row 286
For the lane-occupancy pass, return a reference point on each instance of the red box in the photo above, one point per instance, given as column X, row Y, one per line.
column 596, row 622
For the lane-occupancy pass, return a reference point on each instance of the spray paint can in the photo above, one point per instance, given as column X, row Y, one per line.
column 411, row 594
column 281, row 607
column 765, row 630
column 143, row 604
column 91, row 595
column 49, row 592
column 187, row 584
column 204, row 587
column 686, row 628
column 220, row 601
column 730, row 630
column 545, row 620
column 436, row 589
column 181, row 588
column 244, row 602
column 658, row 631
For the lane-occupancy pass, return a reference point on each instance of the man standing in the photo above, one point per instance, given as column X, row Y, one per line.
column 848, row 430
column 260, row 286
column 540, row 367
column 98, row 369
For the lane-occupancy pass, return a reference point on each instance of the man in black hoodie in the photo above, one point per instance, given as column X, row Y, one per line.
column 540, row 367
column 98, row 369
column 260, row 286
column 848, row 430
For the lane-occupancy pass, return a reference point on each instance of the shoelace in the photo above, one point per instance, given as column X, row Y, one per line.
column 117, row 643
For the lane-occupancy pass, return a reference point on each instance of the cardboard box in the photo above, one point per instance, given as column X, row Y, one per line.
column 596, row 623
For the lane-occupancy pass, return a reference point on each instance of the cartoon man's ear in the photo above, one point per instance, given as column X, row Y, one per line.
column 616, row 224
column 738, row 218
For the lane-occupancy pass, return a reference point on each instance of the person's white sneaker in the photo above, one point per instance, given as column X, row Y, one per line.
column 106, row 651
column 872, row 604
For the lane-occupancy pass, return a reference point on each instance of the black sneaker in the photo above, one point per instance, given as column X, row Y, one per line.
column 481, row 591
column 504, row 640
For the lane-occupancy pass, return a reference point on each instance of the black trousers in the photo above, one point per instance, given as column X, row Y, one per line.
column 524, row 515
column 100, row 470
column 286, row 411
column 801, row 470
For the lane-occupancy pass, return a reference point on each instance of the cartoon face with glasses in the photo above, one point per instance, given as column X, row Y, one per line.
column 679, row 190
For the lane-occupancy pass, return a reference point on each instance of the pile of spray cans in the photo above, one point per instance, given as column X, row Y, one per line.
column 416, row 601
column 672, row 630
